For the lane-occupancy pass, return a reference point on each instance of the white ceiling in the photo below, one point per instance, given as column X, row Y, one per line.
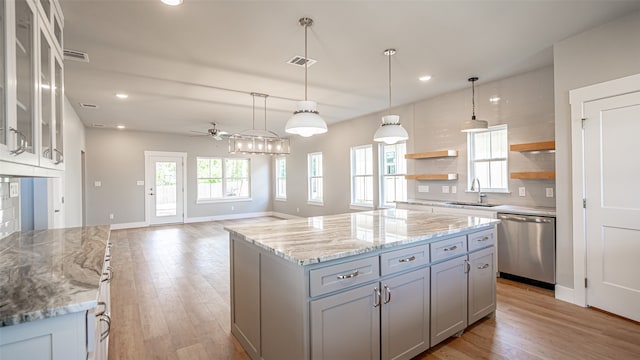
column 186, row 66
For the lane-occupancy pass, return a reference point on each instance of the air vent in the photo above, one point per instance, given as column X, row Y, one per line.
column 76, row 55
column 88, row 106
column 299, row 61
column 98, row 125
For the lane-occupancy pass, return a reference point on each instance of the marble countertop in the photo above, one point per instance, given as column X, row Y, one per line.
column 510, row 209
column 312, row 240
column 47, row 273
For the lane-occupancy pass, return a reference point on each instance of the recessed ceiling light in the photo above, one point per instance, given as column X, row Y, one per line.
column 172, row 2
column 494, row 99
column 122, row 95
column 120, row 126
column 425, row 78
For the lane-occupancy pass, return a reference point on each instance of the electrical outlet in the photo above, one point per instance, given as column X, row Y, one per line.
column 454, row 189
column 14, row 189
column 97, row 183
column 297, row 210
column 445, row 189
column 140, row 182
column 233, row 207
column 549, row 192
column 423, row 188
column 111, row 216
column 522, row 191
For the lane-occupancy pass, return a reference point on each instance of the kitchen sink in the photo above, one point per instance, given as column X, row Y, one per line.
column 465, row 203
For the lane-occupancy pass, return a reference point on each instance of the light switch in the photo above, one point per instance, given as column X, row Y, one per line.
column 454, row 189
column 549, row 192
column 140, row 182
column 14, row 189
column 445, row 189
column 522, row 191
column 423, row 188
column 97, row 183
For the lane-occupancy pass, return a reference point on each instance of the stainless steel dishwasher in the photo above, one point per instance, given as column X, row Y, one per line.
column 527, row 248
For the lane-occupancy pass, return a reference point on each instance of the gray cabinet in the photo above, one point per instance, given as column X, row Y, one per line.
column 347, row 325
column 482, row 284
column 405, row 315
column 448, row 298
column 245, row 292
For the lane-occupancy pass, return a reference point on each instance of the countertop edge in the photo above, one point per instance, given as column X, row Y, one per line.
column 511, row 209
column 47, row 313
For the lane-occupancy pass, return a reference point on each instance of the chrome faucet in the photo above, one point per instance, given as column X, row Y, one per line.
column 473, row 188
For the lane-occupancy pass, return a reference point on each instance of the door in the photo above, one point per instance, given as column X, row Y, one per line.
column 164, row 188
column 612, row 214
column 405, row 315
column 347, row 325
column 448, row 298
column 482, row 284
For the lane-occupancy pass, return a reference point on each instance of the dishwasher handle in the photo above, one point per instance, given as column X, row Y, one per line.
column 521, row 218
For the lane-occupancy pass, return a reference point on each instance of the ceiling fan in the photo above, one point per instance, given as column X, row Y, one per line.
column 214, row 132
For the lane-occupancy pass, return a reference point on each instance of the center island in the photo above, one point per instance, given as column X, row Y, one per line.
column 383, row 284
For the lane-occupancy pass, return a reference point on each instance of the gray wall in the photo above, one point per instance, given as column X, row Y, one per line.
column 604, row 53
column 116, row 159
column 74, row 143
column 526, row 105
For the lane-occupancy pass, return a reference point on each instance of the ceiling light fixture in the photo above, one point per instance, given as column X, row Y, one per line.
column 122, row 95
column 474, row 125
column 172, row 2
column 390, row 131
column 425, row 78
column 305, row 120
column 120, row 127
column 261, row 141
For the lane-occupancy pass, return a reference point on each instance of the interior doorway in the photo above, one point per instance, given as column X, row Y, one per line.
column 164, row 187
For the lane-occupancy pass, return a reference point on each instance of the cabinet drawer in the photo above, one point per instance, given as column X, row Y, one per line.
column 482, row 239
column 341, row 276
column 399, row 260
column 448, row 248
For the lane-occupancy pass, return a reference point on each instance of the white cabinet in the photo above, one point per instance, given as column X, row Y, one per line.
column 32, row 87
column 99, row 348
column 448, row 298
column 482, row 284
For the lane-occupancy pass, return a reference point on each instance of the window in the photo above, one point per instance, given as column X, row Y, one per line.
column 362, row 175
column 315, row 177
column 281, row 178
column 221, row 179
column 488, row 158
column 393, row 168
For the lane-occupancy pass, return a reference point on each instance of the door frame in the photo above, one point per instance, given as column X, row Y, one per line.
column 147, row 197
column 577, row 99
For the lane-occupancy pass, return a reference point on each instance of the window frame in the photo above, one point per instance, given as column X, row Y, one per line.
column 471, row 161
column 224, row 179
column 277, row 195
column 310, row 179
column 383, row 174
column 354, row 176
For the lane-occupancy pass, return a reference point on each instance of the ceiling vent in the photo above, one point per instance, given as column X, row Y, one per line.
column 299, row 61
column 98, row 125
column 88, row 106
column 76, row 55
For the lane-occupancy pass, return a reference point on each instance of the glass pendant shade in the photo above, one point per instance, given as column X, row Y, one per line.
column 390, row 132
column 305, row 120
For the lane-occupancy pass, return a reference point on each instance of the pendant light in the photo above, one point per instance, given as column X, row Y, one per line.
column 305, row 120
column 474, row 125
column 390, row 131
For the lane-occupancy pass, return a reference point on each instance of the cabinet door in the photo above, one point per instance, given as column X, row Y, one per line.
column 482, row 284
column 405, row 315
column 46, row 97
column 448, row 298
column 347, row 325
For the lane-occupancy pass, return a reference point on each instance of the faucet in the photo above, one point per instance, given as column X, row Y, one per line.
column 480, row 194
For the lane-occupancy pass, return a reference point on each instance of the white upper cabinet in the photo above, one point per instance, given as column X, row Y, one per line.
column 32, row 97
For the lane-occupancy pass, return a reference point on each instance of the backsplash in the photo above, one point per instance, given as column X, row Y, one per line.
column 9, row 207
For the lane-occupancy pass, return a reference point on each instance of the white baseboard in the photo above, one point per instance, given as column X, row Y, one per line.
column 566, row 294
column 131, row 225
column 226, row 217
column 283, row 215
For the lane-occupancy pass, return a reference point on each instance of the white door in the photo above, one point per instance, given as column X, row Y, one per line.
column 612, row 175
column 164, row 189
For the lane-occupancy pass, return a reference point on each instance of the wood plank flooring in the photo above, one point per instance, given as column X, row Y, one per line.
column 170, row 300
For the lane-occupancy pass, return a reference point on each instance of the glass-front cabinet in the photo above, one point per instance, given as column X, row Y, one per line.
column 31, row 75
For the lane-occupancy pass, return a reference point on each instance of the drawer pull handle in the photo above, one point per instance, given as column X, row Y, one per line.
column 483, row 266
column 105, row 334
column 451, row 248
column 348, row 276
column 484, row 238
column 409, row 259
column 376, row 297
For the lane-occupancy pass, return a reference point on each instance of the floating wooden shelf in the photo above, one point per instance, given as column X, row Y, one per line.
column 432, row 154
column 432, row 177
column 536, row 146
column 532, row 175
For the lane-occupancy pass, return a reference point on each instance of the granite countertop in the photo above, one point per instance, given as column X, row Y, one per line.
column 510, row 209
column 46, row 273
column 312, row 240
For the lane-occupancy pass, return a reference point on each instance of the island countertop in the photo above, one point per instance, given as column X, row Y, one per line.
column 317, row 239
column 45, row 273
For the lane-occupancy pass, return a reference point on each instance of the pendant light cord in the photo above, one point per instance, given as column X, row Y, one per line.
column 473, row 100
column 389, row 110
column 306, row 61
column 265, row 112
column 253, row 125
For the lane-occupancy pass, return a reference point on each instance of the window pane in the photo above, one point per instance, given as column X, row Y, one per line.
column 499, row 144
column 315, row 193
column 482, row 173
column 236, row 187
column 236, row 168
column 166, row 189
column 498, row 174
column 482, row 145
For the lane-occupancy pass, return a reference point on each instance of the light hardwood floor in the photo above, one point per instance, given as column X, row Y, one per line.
column 170, row 300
